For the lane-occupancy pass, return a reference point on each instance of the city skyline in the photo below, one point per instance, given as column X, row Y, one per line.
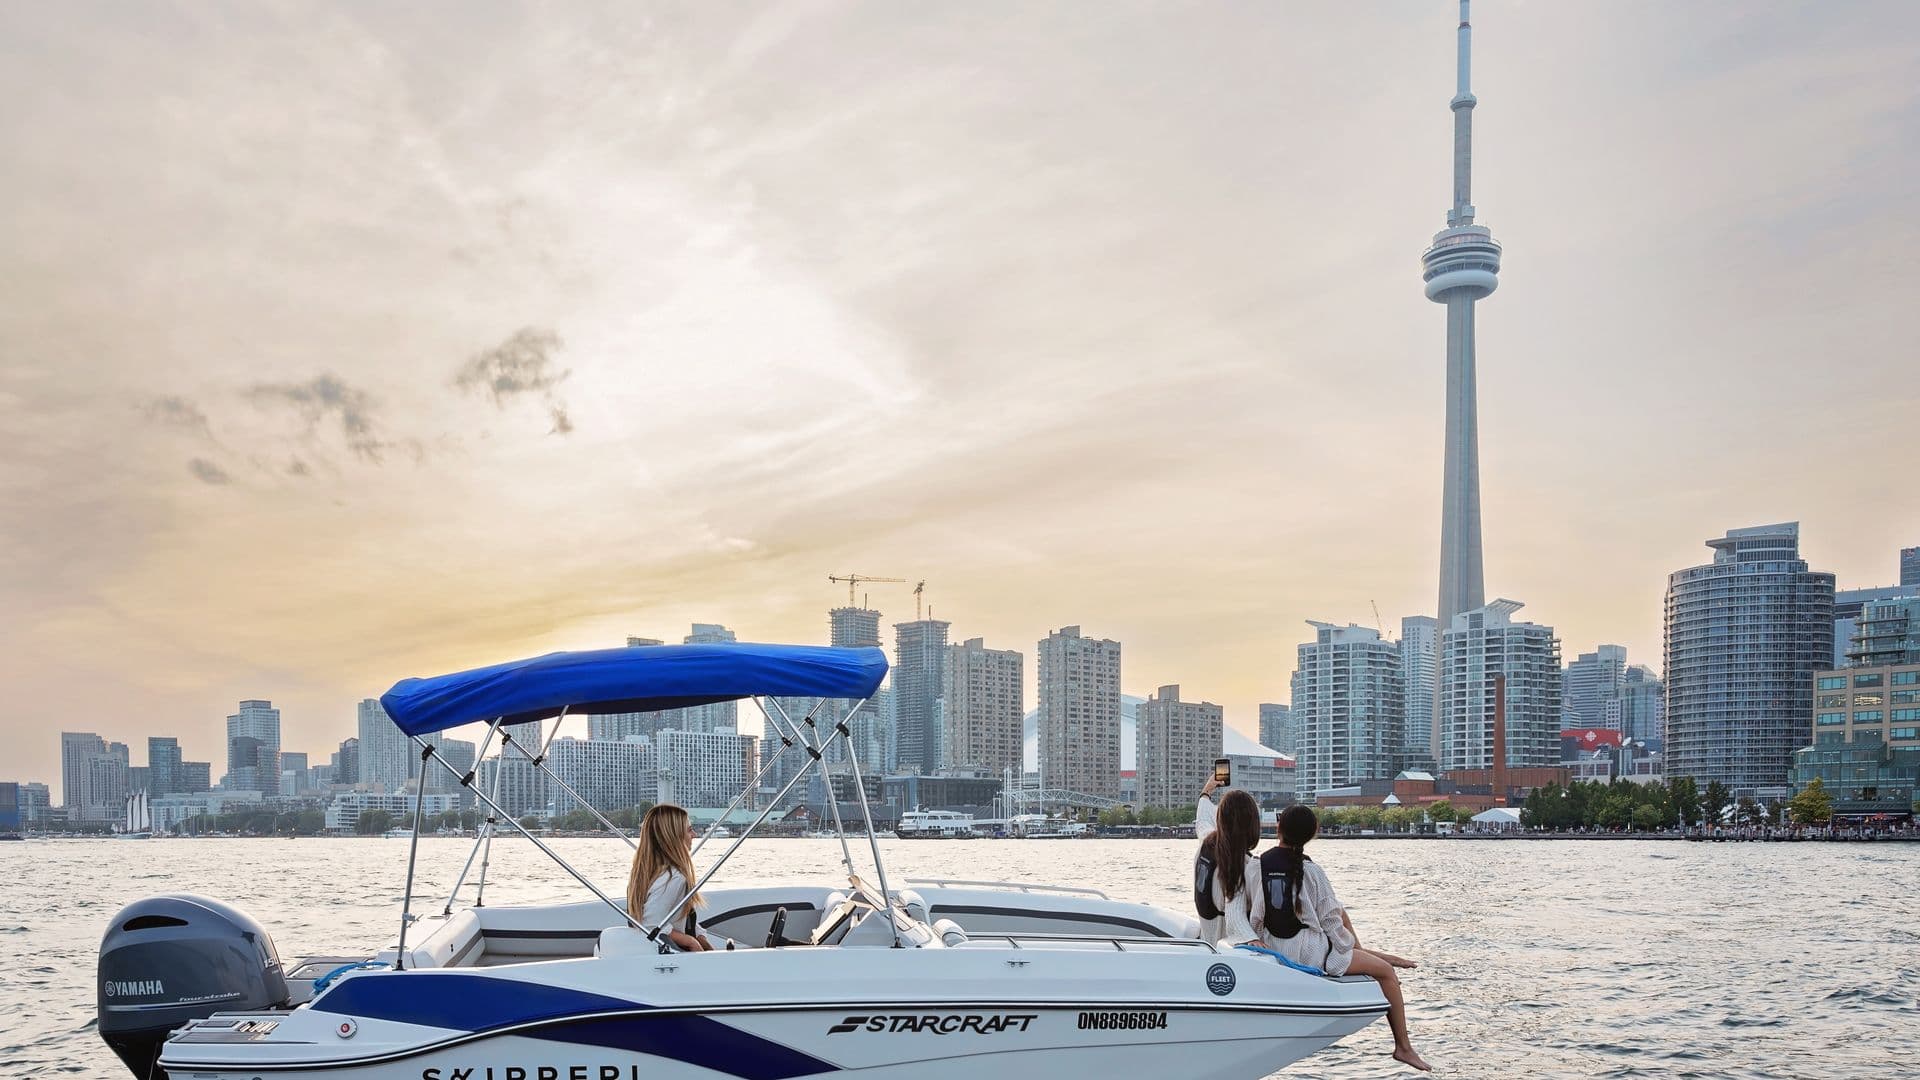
column 449, row 451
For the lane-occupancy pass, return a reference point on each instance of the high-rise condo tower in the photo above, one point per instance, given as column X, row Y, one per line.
column 1461, row 267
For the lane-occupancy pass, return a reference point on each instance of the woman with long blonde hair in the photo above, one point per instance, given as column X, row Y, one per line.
column 662, row 874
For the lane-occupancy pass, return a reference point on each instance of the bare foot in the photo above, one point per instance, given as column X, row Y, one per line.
column 1411, row 1060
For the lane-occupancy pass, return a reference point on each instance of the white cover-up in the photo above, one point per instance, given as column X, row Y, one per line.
column 663, row 900
column 1237, row 923
column 1324, row 942
column 1203, row 817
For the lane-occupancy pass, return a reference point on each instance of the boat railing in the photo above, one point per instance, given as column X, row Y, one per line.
column 1019, row 886
column 1014, row 938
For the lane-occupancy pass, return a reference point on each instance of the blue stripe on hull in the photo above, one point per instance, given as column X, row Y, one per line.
column 461, row 1002
column 482, row 1005
column 696, row 1040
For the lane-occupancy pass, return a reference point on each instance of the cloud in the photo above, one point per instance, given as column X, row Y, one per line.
column 327, row 396
column 207, row 472
column 172, row 411
column 522, row 364
column 296, row 467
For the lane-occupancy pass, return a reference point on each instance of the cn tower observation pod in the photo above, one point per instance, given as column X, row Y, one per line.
column 1463, row 262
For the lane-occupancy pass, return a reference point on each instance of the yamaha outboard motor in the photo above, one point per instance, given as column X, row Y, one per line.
column 170, row 959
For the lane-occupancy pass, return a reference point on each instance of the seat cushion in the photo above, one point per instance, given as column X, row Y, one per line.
column 625, row 941
column 456, row 942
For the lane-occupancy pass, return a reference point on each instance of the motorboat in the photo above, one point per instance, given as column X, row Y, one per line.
column 936, row 979
column 934, row 825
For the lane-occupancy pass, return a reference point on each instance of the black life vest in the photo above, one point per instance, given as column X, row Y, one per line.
column 1283, row 921
column 1203, row 871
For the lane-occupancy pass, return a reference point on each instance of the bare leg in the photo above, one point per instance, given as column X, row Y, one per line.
column 1369, row 964
column 1396, row 961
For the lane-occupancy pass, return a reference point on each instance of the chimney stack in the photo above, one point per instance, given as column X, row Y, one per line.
column 1500, row 740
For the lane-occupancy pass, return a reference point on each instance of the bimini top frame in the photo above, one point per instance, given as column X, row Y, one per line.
column 633, row 680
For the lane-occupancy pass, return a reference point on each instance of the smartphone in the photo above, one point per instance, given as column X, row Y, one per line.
column 1223, row 771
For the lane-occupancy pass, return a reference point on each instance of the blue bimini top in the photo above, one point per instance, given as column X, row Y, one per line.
column 634, row 679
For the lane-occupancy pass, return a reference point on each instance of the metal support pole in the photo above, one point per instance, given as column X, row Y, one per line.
column 413, row 852
column 815, row 746
column 655, row 932
column 786, row 744
column 540, row 764
column 547, row 742
column 564, row 864
column 873, row 838
column 492, row 823
column 790, row 733
column 478, row 756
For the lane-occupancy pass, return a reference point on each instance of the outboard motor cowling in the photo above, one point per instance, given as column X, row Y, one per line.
column 169, row 959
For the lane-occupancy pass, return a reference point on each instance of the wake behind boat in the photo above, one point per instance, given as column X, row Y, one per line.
column 931, row 982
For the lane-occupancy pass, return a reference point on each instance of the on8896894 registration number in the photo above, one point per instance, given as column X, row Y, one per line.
column 1122, row 1021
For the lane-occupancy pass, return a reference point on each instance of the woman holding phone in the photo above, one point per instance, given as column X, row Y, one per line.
column 1205, row 861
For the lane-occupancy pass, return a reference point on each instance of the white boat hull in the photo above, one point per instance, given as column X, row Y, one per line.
column 1041, row 1010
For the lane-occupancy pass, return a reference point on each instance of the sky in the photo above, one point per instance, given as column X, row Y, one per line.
column 346, row 342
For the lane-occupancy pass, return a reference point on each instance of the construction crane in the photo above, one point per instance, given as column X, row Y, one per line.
column 917, row 590
column 853, row 581
column 1379, row 623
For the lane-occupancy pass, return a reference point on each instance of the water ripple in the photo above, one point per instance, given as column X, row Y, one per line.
column 1545, row 959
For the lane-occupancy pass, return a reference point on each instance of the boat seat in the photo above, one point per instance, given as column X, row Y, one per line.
column 838, row 919
column 913, row 902
column 836, row 915
column 625, row 941
column 456, row 942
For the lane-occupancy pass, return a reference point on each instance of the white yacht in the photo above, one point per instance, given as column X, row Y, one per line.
column 935, row 980
column 935, row 825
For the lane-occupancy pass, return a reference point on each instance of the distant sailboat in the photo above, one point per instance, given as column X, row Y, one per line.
column 138, row 824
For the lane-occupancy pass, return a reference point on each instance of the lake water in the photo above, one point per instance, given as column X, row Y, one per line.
column 1542, row 958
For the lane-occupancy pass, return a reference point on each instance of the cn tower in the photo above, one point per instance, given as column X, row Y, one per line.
column 1462, row 266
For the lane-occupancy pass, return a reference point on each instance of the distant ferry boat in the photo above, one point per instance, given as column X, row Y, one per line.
column 934, row 825
column 398, row 834
column 1065, row 830
column 1044, row 827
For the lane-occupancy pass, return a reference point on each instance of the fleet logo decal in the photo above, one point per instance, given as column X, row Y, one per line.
column 1220, row 980
column 936, row 1023
column 136, row 988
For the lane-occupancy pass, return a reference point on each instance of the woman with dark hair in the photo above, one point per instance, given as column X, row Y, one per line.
column 1226, row 874
column 1302, row 920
